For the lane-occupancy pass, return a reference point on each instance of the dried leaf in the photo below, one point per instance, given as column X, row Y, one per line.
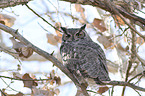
column 140, row 40
column 118, row 20
column 99, row 23
column 7, row 20
column 58, row 80
column 28, row 84
column 51, row 82
column 26, row 52
column 22, row 50
column 102, row 89
column 119, row 46
column 58, row 39
column 106, row 41
column 2, row 22
column 39, row 92
column 79, row 8
column 52, row 39
column 57, row 91
column 58, row 25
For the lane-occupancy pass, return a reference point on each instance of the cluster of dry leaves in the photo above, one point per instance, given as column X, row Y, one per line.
column 31, row 82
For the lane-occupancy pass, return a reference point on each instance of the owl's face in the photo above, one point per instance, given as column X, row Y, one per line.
column 74, row 34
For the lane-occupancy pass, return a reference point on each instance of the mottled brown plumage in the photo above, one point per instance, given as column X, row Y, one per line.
column 82, row 56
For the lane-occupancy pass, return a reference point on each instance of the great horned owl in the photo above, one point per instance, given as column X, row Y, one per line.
column 82, row 56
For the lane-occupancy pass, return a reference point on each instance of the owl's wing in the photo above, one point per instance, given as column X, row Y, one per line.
column 94, row 64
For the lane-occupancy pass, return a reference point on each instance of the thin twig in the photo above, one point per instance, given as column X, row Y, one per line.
column 42, row 18
column 8, row 85
column 139, row 74
column 2, row 93
column 23, row 79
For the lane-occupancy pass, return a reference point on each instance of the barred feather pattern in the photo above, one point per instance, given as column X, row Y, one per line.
column 85, row 56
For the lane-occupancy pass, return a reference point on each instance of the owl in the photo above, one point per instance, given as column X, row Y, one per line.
column 83, row 57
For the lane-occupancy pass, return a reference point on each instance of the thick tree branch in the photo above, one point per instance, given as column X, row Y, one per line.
column 97, row 3
column 121, row 83
column 104, row 5
column 46, row 55
column 11, row 3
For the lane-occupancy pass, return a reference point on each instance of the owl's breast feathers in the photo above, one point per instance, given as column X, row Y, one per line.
column 87, row 57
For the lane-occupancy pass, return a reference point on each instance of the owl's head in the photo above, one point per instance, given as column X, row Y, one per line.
column 74, row 34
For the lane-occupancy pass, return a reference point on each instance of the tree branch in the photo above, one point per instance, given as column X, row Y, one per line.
column 104, row 5
column 23, row 79
column 11, row 3
column 42, row 18
column 121, row 83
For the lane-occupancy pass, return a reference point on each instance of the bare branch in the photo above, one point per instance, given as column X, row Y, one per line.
column 121, row 83
column 104, row 5
column 23, row 79
column 11, row 3
column 42, row 18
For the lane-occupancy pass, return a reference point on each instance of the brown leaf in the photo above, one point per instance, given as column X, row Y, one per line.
column 140, row 40
column 106, row 41
column 40, row 92
column 79, row 8
column 58, row 39
column 51, row 82
column 28, row 83
column 58, row 25
column 102, row 89
column 22, row 50
column 118, row 20
column 26, row 52
column 58, row 80
column 2, row 22
column 51, row 39
column 7, row 20
column 57, row 91
column 119, row 46
column 99, row 23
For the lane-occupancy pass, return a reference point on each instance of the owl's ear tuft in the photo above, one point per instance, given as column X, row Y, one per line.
column 83, row 27
column 63, row 29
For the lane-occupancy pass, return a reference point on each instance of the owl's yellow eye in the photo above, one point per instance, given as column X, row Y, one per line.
column 80, row 34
